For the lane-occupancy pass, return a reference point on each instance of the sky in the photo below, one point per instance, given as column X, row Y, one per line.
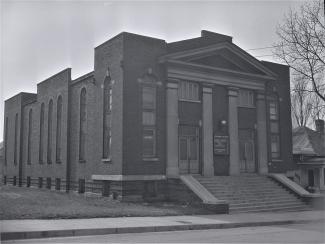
column 41, row 38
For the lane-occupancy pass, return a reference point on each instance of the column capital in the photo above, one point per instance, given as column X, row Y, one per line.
column 260, row 95
column 172, row 85
column 207, row 89
column 233, row 91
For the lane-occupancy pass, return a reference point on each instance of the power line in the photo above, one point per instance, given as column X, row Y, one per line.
column 260, row 48
column 264, row 56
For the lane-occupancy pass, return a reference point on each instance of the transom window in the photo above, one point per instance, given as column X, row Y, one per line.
column 188, row 91
column 246, row 98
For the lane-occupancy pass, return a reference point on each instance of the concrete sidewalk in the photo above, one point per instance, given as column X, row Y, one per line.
column 25, row 229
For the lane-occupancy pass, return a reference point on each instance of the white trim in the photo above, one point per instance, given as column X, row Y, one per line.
column 172, row 85
column 208, row 49
column 224, row 80
column 128, row 177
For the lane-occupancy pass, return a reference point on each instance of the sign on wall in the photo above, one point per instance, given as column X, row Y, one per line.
column 220, row 145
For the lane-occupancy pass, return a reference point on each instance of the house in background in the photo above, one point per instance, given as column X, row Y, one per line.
column 309, row 155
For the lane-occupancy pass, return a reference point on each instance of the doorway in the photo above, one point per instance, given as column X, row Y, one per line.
column 247, row 151
column 188, row 150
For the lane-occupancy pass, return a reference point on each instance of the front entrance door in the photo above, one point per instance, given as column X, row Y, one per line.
column 247, row 151
column 188, row 150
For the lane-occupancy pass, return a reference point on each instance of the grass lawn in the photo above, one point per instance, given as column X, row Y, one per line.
column 33, row 203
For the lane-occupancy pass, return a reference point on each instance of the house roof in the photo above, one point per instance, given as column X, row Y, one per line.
column 306, row 141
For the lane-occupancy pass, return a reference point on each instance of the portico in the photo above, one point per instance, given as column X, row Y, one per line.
column 190, row 141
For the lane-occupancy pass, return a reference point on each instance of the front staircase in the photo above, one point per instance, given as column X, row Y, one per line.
column 252, row 193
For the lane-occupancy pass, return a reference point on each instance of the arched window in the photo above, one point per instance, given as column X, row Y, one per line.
column 41, row 135
column 107, row 107
column 6, row 141
column 82, row 128
column 58, row 129
column 16, row 139
column 49, row 132
column 29, row 139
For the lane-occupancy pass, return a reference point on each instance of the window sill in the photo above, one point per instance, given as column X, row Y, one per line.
column 82, row 161
column 277, row 160
column 243, row 106
column 49, row 162
column 187, row 100
column 153, row 159
column 106, row 160
column 58, row 161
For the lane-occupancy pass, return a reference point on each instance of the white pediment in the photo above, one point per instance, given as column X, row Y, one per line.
column 223, row 57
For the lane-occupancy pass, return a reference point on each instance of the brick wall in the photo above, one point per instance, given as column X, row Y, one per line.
column 140, row 55
column 281, row 88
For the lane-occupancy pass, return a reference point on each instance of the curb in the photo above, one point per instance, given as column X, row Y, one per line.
column 142, row 229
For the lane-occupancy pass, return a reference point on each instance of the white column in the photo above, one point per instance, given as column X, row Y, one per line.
column 172, row 129
column 234, row 168
column 208, row 168
column 261, row 134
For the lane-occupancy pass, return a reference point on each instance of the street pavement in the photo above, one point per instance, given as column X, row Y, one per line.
column 26, row 229
column 296, row 233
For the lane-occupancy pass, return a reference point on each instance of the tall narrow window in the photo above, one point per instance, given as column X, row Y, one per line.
column 82, row 128
column 49, row 133
column 6, row 141
column 16, row 139
column 29, row 139
column 149, row 121
column 41, row 135
column 107, row 106
column 274, row 129
column 58, row 130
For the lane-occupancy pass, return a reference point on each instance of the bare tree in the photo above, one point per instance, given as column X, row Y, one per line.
column 301, row 101
column 302, row 44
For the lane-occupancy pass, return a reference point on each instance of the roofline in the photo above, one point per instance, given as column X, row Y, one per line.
column 20, row 94
column 129, row 33
column 47, row 79
column 83, row 77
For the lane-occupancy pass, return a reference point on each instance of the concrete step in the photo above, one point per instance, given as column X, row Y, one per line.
column 251, row 193
column 243, row 190
column 261, row 202
column 273, row 209
column 277, row 198
column 248, row 193
column 267, row 205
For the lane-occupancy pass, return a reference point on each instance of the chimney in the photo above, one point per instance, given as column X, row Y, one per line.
column 319, row 124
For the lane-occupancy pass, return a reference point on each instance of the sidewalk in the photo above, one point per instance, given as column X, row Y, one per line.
column 25, row 229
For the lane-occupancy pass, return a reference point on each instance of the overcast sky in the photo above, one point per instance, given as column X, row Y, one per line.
column 40, row 38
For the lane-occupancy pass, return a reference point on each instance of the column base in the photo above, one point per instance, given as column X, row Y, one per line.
column 172, row 172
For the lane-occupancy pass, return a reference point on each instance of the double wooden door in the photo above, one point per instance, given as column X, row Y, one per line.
column 247, row 151
column 188, row 150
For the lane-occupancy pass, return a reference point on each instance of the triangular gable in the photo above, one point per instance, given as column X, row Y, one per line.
column 217, row 61
column 221, row 56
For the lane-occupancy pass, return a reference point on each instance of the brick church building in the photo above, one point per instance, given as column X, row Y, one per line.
column 149, row 113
